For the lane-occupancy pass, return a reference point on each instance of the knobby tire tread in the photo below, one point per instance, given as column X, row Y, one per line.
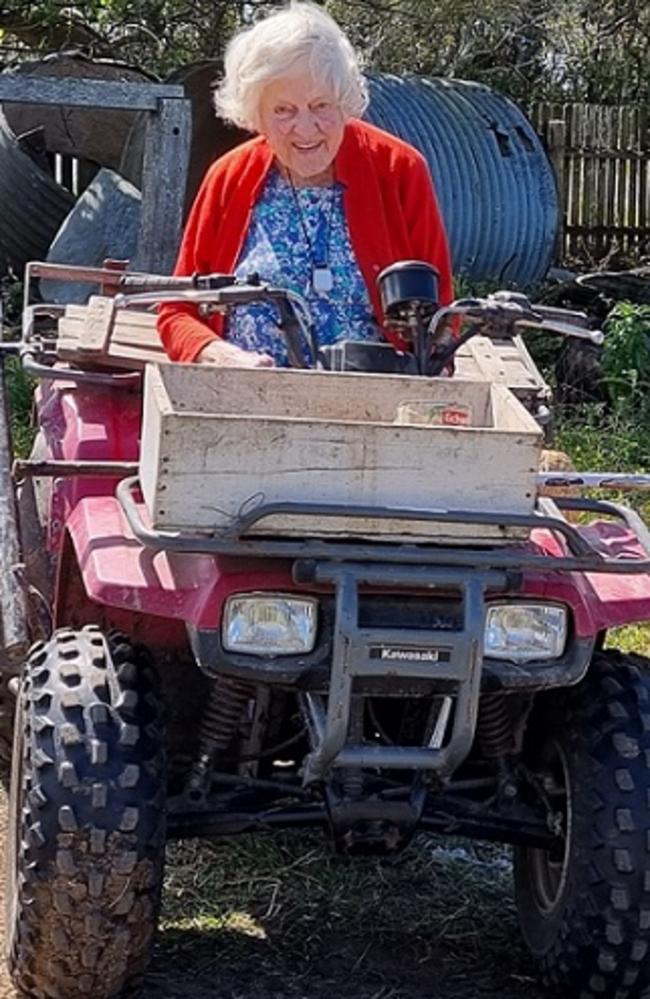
column 89, row 827
column 600, row 948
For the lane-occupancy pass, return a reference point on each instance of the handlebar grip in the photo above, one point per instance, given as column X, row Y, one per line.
column 155, row 282
column 173, row 282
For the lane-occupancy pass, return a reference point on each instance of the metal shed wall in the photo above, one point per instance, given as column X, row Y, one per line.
column 494, row 181
column 33, row 205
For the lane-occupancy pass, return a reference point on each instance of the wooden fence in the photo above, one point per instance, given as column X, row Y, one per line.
column 601, row 157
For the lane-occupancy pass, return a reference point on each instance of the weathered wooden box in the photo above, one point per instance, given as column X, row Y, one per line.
column 217, row 442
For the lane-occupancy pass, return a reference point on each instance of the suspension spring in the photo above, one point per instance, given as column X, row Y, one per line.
column 494, row 729
column 223, row 712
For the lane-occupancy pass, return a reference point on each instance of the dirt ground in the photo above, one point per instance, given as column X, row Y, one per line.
column 199, row 962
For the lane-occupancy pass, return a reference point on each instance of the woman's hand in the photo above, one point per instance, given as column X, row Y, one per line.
column 227, row 355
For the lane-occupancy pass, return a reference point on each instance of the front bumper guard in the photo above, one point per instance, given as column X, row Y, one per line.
column 454, row 658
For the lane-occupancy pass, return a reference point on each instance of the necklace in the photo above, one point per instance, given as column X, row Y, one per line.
column 322, row 279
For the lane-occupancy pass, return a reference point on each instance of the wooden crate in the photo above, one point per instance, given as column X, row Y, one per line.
column 216, row 442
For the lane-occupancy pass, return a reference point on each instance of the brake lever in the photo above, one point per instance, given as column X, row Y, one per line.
column 563, row 321
column 596, row 337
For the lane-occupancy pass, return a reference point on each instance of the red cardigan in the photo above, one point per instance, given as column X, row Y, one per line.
column 389, row 203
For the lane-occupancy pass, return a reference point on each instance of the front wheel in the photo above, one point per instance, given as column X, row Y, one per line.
column 86, row 837
column 584, row 907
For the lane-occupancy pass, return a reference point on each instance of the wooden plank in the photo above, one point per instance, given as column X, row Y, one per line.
column 124, row 317
column 556, row 140
column 570, row 183
column 600, row 207
column 87, row 93
column 588, row 145
column 119, row 356
column 98, row 324
column 611, row 169
column 643, row 170
column 166, row 159
column 621, row 193
column 637, row 171
column 67, row 343
column 574, row 168
column 134, row 336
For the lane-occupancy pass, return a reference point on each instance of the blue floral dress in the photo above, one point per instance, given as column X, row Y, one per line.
column 277, row 249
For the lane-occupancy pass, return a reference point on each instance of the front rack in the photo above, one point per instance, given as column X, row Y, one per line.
column 235, row 539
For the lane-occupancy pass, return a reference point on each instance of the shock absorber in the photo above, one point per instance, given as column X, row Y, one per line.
column 494, row 730
column 223, row 712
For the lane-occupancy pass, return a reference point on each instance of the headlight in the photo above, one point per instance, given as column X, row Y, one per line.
column 525, row 631
column 263, row 624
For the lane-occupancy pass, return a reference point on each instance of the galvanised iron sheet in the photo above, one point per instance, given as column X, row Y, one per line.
column 494, row 180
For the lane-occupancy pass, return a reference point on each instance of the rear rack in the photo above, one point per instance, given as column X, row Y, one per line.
column 235, row 539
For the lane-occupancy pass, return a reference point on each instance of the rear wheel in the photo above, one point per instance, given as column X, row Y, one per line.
column 86, row 835
column 584, row 907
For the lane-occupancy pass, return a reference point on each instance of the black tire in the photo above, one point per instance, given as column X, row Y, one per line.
column 579, row 373
column 86, row 824
column 585, row 911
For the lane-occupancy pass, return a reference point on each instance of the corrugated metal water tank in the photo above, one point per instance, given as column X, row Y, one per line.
column 494, row 180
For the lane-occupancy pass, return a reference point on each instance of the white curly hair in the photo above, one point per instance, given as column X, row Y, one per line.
column 269, row 49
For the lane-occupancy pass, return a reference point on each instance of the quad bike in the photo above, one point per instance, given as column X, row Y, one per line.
column 183, row 666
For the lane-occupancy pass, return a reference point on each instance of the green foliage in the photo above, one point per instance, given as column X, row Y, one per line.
column 626, row 356
column 601, row 439
column 21, row 391
column 156, row 35
column 613, row 440
column 530, row 49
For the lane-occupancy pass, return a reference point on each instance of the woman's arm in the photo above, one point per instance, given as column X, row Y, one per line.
column 185, row 335
column 425, row 223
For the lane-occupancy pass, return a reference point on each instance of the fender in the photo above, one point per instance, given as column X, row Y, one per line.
column 117, row 571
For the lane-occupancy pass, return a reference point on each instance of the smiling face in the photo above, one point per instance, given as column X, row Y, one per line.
column 303, row 124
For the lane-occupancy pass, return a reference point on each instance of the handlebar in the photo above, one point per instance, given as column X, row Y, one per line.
column 219, row 292
column 500, row 315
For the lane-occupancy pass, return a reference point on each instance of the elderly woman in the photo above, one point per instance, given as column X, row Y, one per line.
column 318, row 202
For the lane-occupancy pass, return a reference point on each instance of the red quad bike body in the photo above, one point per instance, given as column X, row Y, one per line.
column 86, row 521
column 461, row 687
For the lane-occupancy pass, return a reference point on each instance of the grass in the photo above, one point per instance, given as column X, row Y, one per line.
column 288, row 902
column 291, row 889
column 613, row 440
column 21, row 394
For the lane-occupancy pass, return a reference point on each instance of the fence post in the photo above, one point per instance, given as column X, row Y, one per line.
column 556, row 142
column 164, row 179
